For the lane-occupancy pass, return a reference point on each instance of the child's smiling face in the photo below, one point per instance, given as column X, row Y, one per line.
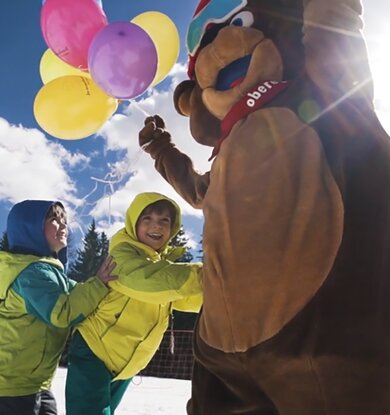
column 56, row 229
column 154, row 229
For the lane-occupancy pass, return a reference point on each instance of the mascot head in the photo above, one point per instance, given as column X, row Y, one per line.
column 233, row 45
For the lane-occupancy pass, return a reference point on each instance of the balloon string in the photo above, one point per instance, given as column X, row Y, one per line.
column 116, row 175
column 139, row 108
column 109, row 210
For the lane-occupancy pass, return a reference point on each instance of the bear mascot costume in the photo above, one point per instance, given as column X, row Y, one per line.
column 296, row 313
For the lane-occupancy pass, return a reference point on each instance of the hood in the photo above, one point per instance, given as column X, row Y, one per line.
column 25, row 229
column 132, row 214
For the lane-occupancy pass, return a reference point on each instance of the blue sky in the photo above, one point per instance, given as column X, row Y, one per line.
column 36, row 165
column 98, row 176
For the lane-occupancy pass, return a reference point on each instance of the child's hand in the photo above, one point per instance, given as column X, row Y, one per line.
column 104, row 273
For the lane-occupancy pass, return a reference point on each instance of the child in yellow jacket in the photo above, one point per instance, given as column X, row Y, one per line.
column 120, row 338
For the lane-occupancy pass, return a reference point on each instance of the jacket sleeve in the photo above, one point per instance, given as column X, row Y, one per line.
column 156, row 282
column 189, row 304
column 178, row 170
column 335, row 51
column 51, row 297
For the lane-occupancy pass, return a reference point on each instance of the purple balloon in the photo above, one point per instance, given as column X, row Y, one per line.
column 122, row 60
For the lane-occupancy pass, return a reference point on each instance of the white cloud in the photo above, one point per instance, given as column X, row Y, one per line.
column 193, row 241
column 72, row 160
column 33, row 168
column 121, row 133
column 178, row 73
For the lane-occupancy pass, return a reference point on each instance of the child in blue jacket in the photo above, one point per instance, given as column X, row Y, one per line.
column 38, row 304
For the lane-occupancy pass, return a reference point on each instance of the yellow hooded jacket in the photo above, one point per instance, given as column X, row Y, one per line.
column 127, row 327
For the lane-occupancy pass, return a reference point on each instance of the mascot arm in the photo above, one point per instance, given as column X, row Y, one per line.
column 336, row 57
column 176, row 167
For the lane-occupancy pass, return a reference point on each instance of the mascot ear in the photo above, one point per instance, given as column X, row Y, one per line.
column 181, row 97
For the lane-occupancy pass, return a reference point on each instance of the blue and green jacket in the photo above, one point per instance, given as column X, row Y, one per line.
column 38, row 303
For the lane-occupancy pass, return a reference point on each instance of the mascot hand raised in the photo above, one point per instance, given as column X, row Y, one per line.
column 153, row 137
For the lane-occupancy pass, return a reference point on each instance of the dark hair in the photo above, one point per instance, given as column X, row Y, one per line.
column 159, row 207
column 56, row 210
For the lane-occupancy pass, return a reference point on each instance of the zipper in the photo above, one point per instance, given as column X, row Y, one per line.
column 171, row 334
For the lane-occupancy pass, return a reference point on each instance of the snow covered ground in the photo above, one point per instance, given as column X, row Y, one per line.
column 145, row 396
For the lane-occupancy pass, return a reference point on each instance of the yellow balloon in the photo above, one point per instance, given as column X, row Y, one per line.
column 52, row 67
column 72, row 107
column 165, row 37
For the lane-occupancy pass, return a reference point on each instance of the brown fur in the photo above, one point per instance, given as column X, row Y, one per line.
column 296, row 316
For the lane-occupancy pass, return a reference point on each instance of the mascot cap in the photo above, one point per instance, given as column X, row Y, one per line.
column 208, row 13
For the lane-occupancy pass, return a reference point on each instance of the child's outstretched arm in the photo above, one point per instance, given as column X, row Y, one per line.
column 47, row 298
column 154, row 282
column 189, row 304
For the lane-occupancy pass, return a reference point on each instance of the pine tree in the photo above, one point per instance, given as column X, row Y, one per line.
column 4, row 245
column 181, row 240
column 87, row 263
column 104, row 243
column 200, row 250
column 91, row 256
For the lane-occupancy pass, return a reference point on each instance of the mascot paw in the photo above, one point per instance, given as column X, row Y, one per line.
column 153, row 135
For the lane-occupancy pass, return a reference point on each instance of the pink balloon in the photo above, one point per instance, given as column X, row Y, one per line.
column 68, row 27
column 122, row 60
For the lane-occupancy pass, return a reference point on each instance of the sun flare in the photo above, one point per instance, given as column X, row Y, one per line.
column 380, row 64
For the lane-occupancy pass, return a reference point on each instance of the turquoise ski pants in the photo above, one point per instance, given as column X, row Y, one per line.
column 89, row 388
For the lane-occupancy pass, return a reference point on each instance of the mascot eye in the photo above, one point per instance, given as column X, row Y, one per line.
column 245, row 19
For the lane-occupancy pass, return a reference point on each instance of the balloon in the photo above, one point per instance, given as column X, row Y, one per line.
column 72, row 107
column 122, row 60
column 51, row 67
column 68, row 28
column 165, row 36
column 98, row 2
